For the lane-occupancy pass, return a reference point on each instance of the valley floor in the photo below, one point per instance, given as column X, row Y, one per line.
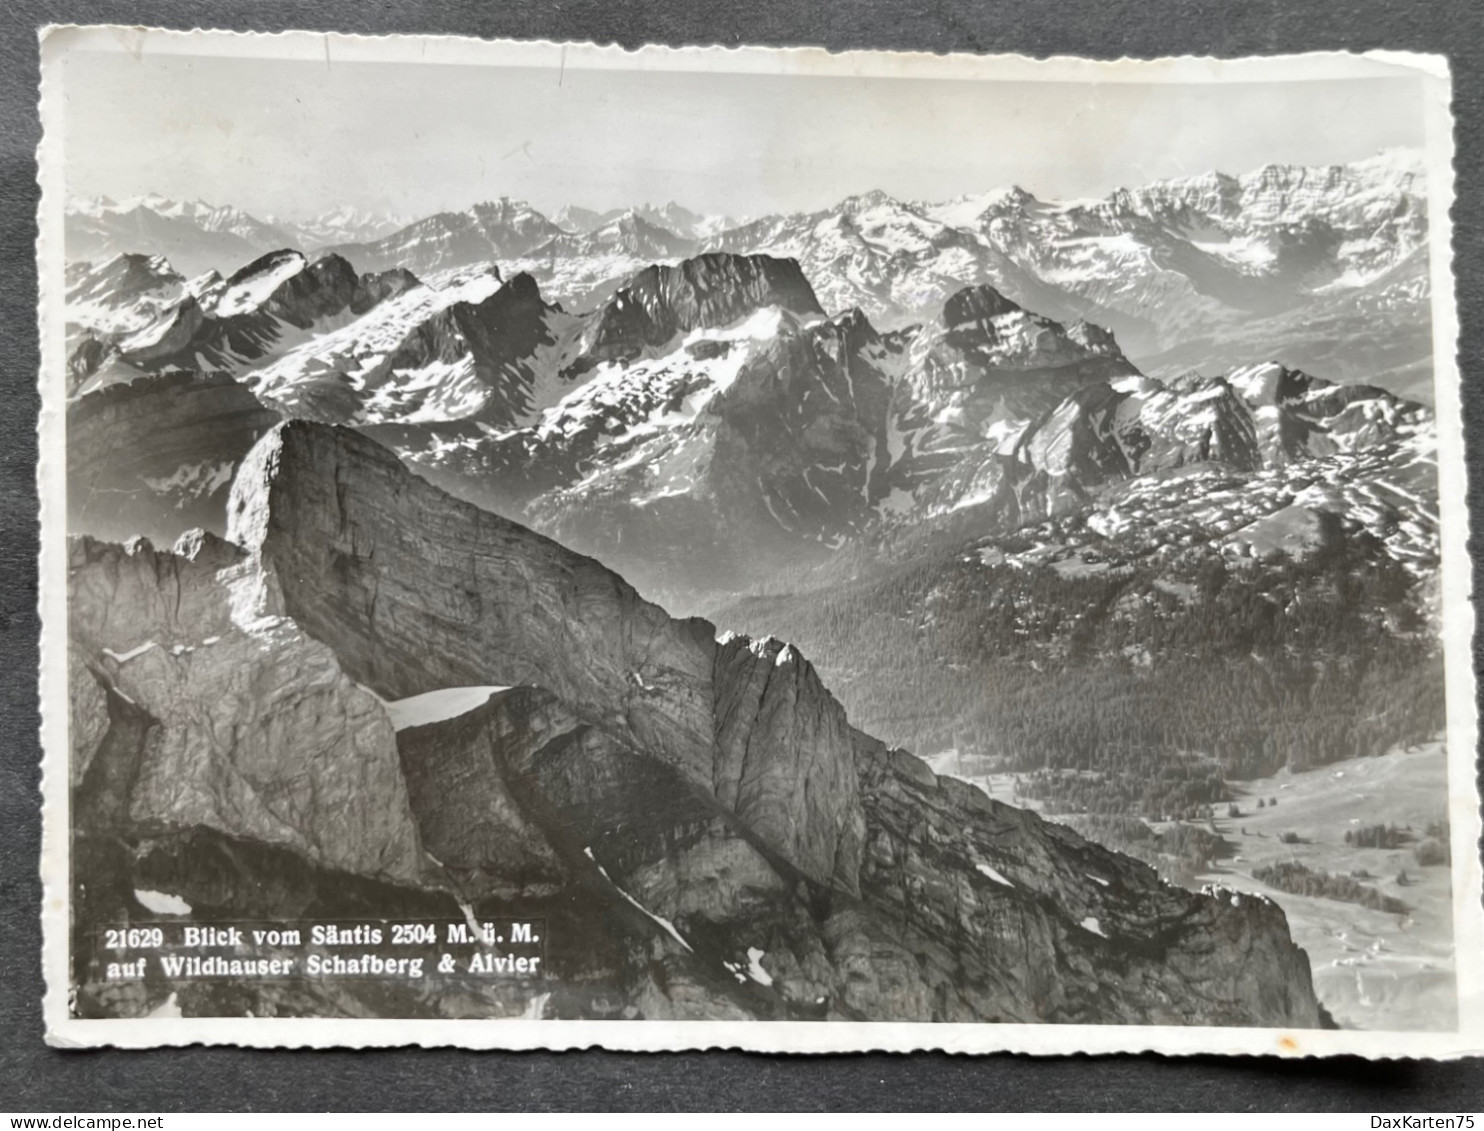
column 1372, row 969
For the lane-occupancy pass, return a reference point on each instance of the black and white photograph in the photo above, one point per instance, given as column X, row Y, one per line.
column 546, row 545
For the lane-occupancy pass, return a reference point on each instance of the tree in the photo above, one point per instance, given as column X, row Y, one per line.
column 1431, row 852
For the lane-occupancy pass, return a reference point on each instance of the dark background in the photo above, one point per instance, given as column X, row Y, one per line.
column 36, row 1078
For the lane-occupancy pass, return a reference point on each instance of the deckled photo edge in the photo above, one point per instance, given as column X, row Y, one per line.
column 55, row 862
column 1460, row 620
column 742, row 58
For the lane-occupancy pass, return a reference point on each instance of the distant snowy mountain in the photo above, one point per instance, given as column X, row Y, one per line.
column 683, row 222
column 1325, row 267
column 628, row 234
column 486, row 233
column 194, row 237
column 340, row 225
column 575, row 219
column 581, row 270
column 1185, row 272
column 672, row 217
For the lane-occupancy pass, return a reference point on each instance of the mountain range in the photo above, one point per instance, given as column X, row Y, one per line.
column 197, row 237
column 1323, row 266
column 709, row 423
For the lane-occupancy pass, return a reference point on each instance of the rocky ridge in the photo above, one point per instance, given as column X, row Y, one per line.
column 701, row 824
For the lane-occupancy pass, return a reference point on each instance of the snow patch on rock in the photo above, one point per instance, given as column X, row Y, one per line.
column 993, row 874
column 132, row 653
column 668, row 926
column 436, row 706
column 250, row 293
column 162, row 903
column 755, row 969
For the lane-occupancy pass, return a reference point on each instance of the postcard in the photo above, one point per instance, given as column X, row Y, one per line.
column 549, row 546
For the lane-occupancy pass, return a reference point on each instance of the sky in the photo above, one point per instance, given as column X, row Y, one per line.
column 294, row 138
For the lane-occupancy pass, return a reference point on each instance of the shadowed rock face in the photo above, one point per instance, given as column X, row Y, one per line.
column 463, row 778
column 155, row 456
column 501, row 335
column 706, row 291
column 705, row 833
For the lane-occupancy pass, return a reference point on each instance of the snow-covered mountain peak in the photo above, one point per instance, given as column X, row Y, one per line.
column 634, row 221
column 1284, row 193
column 874, row 198
column 348, row 216
column 575, row 219
column 976, row 305
column 976, row 210
column 123, row 294
column 1266, row 384
column 252, row 286
column 340, row 224
column 682, row 221
column 152, row 202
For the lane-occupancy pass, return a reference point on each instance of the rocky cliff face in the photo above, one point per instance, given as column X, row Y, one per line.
column 375, row 560
column 698, row 823
column 1036, row 914
column 976, row 376
column 238, row 724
